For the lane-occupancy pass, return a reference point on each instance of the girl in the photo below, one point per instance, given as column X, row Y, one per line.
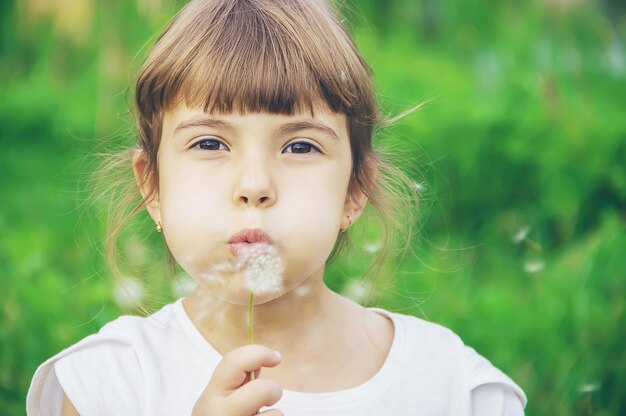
column 255, row 121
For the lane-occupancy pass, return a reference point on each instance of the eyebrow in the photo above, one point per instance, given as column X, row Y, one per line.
column 308, row 125
column 287, row 128
column 203, row 122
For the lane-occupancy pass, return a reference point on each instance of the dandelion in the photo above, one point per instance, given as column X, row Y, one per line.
column 263, row 275
column 263, row 269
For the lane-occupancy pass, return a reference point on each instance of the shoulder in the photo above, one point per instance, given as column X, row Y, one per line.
column 444, row 356
column 102, row 371
column 429, row 338
column 133, row 329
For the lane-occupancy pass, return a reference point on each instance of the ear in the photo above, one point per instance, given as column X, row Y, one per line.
column 147, row 184
column 354, row 206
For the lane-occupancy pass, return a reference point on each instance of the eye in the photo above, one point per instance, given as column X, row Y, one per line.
column 301, row 147
column 210, row 144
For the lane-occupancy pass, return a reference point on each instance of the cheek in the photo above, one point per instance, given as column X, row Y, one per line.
column 191, row 211
column 317, row 197
column 188, row 195
column 313, row 214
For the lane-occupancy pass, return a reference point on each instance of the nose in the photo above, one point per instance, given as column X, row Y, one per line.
column 255, row 187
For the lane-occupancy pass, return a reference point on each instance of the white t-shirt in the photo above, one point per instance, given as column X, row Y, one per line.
column 159, row 365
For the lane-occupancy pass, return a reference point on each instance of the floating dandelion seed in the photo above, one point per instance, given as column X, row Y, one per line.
column 521, row 234
column 182, row 285
column 589, row 387
column 533, row 266
column 419, row 186
column 128, row 292
column 356, row 291
column 302, row 291
column 372, row 246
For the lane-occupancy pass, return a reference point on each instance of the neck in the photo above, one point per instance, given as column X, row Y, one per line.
column 300, row 314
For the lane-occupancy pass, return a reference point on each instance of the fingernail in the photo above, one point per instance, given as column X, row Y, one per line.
column 278, row 355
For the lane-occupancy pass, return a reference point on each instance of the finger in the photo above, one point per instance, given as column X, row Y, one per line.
column 272, row 412
column 232, row 371
column 254, row 395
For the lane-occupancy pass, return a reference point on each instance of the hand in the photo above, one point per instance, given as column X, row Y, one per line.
column 230, row 391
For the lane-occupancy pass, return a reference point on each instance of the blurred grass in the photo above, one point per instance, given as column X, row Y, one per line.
column 520, row 156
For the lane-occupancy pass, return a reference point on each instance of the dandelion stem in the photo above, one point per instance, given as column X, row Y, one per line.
column 251, row 319
column 251, row 325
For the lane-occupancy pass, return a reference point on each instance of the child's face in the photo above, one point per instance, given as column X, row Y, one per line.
column 285, row 175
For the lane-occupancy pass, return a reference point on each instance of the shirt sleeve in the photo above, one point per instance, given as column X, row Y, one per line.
column 492, row 391
column 102, row 380
column 495, row 400
column 99, row 376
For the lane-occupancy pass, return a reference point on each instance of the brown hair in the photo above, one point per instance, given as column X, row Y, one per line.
column 275, row 56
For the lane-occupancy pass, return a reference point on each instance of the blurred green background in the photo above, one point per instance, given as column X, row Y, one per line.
column 519, row 160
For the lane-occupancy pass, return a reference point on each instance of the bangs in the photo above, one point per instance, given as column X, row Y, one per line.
column 251, row 68
column 280, row 57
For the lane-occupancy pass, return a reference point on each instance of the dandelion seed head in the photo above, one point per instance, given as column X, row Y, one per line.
column 263, row 269
column 257, row 267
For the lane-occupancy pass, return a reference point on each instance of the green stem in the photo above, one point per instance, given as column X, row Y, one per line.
column 251, row 325
column 251, row 319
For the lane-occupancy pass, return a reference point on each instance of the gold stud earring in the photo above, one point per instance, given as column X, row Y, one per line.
column 343, row 230
column 158, row 227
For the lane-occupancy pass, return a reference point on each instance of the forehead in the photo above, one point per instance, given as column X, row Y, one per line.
column 182, row 119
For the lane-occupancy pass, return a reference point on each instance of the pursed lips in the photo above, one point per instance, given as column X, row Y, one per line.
column 247, row 237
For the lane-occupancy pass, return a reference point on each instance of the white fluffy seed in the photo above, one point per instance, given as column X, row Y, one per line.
column 263, row 269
